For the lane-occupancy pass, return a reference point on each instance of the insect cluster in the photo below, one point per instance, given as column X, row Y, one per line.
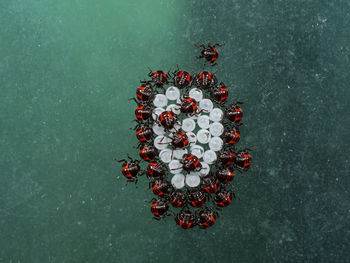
column 187, row 133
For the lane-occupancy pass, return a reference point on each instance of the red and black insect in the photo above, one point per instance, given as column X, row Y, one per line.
column 225, row 175
column 144, row 133
column 196, row 198
column 220, row 93
column 243, row 160
column 159, row 208
column 145, row 93
column 226, row 157
column 231, row 136
column 209, row 53
column 182, row 79
column 185, row 219
column 179, row 140
column 177, row 198
column 148, row 152
column 207, row 218
column 155, row 170
column 210, row 184
column 205, row 80
column 223, row 198
column 159, row 78
column 143, row 112
column 188, row 105
column 234, row 113
column 130, row 169
column 167, row 119
column 160, row 187
column 190, row 163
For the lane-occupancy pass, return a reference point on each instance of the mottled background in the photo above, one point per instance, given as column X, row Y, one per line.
column 67, row 69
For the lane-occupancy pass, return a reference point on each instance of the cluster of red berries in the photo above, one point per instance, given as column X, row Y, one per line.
column 204, row 197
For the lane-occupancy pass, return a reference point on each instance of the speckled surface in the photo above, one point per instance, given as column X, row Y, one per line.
column 66, row 71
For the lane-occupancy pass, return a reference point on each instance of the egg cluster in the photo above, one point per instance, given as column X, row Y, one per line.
column 202, row 129
column 187, row 134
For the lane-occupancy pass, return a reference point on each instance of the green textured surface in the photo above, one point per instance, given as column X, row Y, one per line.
column 67, row 69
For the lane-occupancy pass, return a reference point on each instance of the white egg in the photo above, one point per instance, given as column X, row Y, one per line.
column 178, row 181
column 209, row 157
column 203, row 121
column 206, row 105
column 203, row 136
column 216, row 144
column 172, row 93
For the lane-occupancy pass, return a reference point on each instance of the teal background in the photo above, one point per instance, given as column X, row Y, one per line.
column 67, row 69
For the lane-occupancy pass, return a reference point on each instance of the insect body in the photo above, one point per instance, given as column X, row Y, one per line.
column 159, row 208
column 210, row 184
column 155, row 169
column 209, row 53
column 130, row 169
column 220, row 93
column 243, row 160
column 188, row 105
column 185, row 219
column 144, row 134
column 205, row 80
column 223, row 198
column 182, row 79
column 196, row 198
column 225, row 175
column 227, row 157
column 143, row 112
column 160, row 187
column 177, row 198
column 167, row 119
column 206, row 218
column 234, row 114
column 159, row 78
column 191, row 163
column 179, row 140
column 145, row 93
column 232, row 136
column 148, row 152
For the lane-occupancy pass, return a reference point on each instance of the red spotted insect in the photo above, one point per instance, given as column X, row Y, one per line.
column 185, row 219
column 159, row 209
column 243, row 160
column 145, row 93
column 209, row 53
column 205, row 80
column 155, row 170
column 220, row 93
column 130, row 169
column 188, row 106
column 160, row 187
column 167, row 119
column 234, row 113
column 196, row 198
column 223, row 197
column 225, row 175
column 143, row 113
column 190, row 163
column 231, row 136
column 210, row 184
column 182, row 79
column 179, row 140
column 148, row 152
column 159, row 78
column 143, row 133
column 177, row 198
column 207, row 218
column 226, row 157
